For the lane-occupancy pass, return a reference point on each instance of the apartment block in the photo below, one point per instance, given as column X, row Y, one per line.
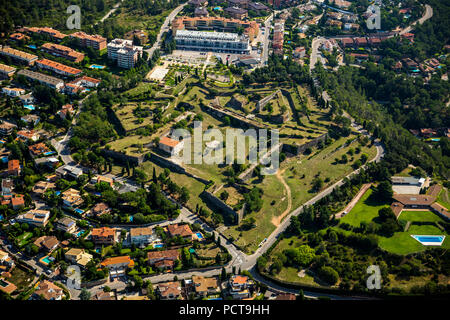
column 62, row 51
column 124, row 52
column 6, row 71
column 18, row 55
column 94, row 41
column 57, row 67
column 212, row 41
column 49, row 81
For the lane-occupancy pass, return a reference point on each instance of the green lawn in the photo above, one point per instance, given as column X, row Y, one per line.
column 23, row 238
column 364, row 211
column 444, row 198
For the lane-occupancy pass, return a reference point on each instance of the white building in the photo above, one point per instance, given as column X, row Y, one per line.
column 212, row 41
column 124, row 52
column 170, row 145
column 142, row 236
column 13, row 92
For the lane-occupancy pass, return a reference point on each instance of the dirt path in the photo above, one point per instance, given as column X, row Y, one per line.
column 277, row 220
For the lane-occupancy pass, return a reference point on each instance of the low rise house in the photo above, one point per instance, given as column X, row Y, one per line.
column 201, row 12
column 23, row 57
column 41, row 186
column 117, row 265
column 48, row 243
column 183, row 231
column 49, row 81
column 205, row 286
column 6, row 128
column 13, row 92
column 78, row 256
column 7, row 287
column 14, row 168
column 237, row 13
column 299, row 52
column 31, row 118
column 100, row 209
column 66, row 109
column 7, row 186
column 142, row 236
column 104, row 179
column 170, row 145
column 163, row 259
column 27, row 98
column 47, row 290
column 104, row 235
column 17, row 202
column 239, row 286
column 50, row 162
column 102, row 296
column 58, row 68
column 72, row 198
column 28, row 135
column 62, row 51
column 38, row 149
column 169, row 290
column 68, row 171
column 66, row 224
column 35, row 217
column 86, row 82
column 5, row 259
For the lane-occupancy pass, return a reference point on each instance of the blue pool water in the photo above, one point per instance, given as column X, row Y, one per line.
column 5, row 159
column 435, row 139
column 192, row 250
column 96, row 66
column 434, row 240
column 98, row 250
column 57, row 193
column 215, row 299
column 79, row 211
column 47, row 260
column 131, row 218
column 199, row 235
column 29, row 107
column 217, row 8
column 79, row 233
column 32, row 46
column 159, row 245
column 49, row 153
column 2, row 141
column 1, row 217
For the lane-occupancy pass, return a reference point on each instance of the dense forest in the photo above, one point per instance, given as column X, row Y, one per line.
column 50, row 13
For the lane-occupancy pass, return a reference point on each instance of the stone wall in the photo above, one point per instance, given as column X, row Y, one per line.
column 223, row 206
column 297, row 149
column 123, row 158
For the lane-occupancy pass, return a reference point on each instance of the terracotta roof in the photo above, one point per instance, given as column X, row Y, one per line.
column 118, row 260
column 165, row 254
column 48, row 242
column 442, row 210
column 103, row 232
column 285, row 296
column 202, row 284
column 135, row 232
column 17, row 201
column 100, row 208
column 414, row 199
column 49, row 290
column 58, row 66
column 13, row 165
column 434, row 190
column 167, row 288
column 169, row 142
column 397, row 208
column 238, row 279
column 38, row 148
column 179, row 230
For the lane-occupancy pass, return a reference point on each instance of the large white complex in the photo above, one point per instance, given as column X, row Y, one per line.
column 124, row 52
column 212, row 41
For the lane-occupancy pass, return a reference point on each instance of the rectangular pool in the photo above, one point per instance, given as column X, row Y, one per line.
column 199, row 236
column 429, row 240
column 96, row 66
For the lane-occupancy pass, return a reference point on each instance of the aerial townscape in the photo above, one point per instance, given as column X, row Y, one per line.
column 98, row 201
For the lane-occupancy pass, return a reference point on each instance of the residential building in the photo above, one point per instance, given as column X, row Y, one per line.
column 257, row 6
column 124, row 52
column 26, row 135
column 139, row 34
column 100, row 209
column 13, row 92
column 87, row 82
column 58, row 68
column 102, row 296
column 237, row 13
column 23, row 57
column 38, row 149
column 94, row 41
column 105, row 179
column 66, row 109
column 48, row 291
column 278, row 37
column 71, row 198
column 299, row 52
column 170, row 145
column 31, row 119
column 66, row 224
column 7, row 186
column 220, row 24
column 48, row 243
column 78, row 256
column 6, row 128
column 17, row 202
column 50, row 162
column 35, row 217
column 169, row 290
column 212, row 41
column 142, row 236
column 163, row 259
column 17, row 36
column 285, row 296
column 411, row 181
column 55, row 34
column 6, row 71
column 27, row 98
column 49, row 81
column 239, row 286
column 205, row 286
column 201, row 12
column 7, row 287
column 347, row 42
column 63, row 51
column 117, row 265
column 177, row 230
column 104, row 235
column 68, row 171
column 13, row 167
column 198, row 3
column 41, row 186
column 5, row 259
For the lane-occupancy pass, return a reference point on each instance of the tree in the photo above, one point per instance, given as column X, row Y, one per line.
column 223, row 274
column 383, row 191
column 85, row 294
column 329, row 275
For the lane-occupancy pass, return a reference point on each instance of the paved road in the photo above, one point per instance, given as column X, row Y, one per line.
column 427, row 15
column 111, row 11
column 164, row 28
column 267, row 30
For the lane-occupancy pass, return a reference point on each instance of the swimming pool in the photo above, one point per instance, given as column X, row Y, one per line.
column 79, row 211
column 79, row 233
column 131, row 218
column 49, row 153
column 5, row 159
column 96, row 66
column 199, row 235
column 1, row 217
column 159, row 245
column 428, row 240
column 47, row 260
column 29, row 107
column 57, row 193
